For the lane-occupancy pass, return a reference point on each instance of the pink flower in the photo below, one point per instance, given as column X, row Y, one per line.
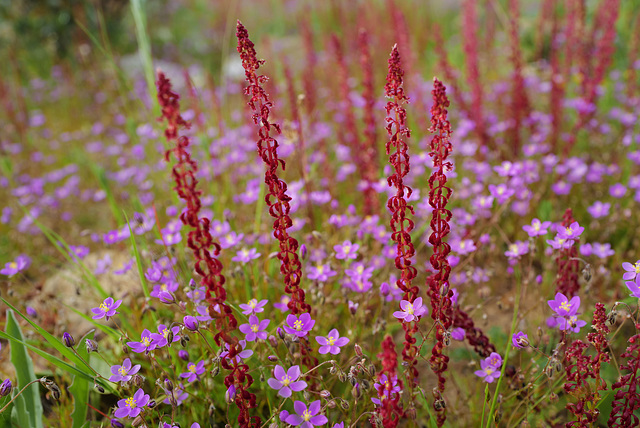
column 410, row 311
column 284, row 383
column 331, row 343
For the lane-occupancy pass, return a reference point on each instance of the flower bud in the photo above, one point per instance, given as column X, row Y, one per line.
column 272, row 358
column 168, row 385
column 183, row 355
column 99, row 388
column 344, row 404
column 191, row 323
column 68, row 340
column 325, row 394
column 280, row 332
column 167, row 297
column 356, row 392
column 303, row 251
column 272, row 340
column 358, row 350
column 116, row 423
column 230, row 395
column 92, row 346
column 138, row 380
column 214, row 371
column 5, row 388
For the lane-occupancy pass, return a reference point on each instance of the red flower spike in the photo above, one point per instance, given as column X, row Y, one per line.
column 568, row 265
column 439, row 194
column 401, row 225
column 627, row 398
column 580, row 368
column 204, row 248
column 276, row 198
column 390, row 411
column 474, row 335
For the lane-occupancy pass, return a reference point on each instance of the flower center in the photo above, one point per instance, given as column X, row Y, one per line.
column 13, row 265
column 569, row 231
column 320, row 269
column 286, row 380
column 637, row 267
column 536, row 226
column 410, row 309
column 103, row 307
column 306, row 415
column 131, row 403
column 165, row 333
column 146, row 341
column 253, row 303
column 122, row 371
column 297, row 325
column 331, row 340
column 565, row 305
column 254, row 328
column 489, row 370
column 192, row 368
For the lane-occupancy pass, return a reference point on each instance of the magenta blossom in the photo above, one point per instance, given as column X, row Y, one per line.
column 253, row 306
column 634, row 287
column 572, row 232
column 107, row 309
column 193, row 371
column 537, row 228
column 255, row 329
column 145, row 345
column 283, row 303
column 571, row 323
column 284, row 383
column 346, row 251
column 124, row 372
column 520, row 340
column 564, row 307
column 632, row 270
column 331, row 343
column 132, row 406
column 307, row 417
column 489, row 372
column 299, row 326
column 161, row 338
column 385, row 388
column 245, row 256
column 21, row 263
column 410, row 311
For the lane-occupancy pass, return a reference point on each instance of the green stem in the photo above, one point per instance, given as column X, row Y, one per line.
column 514, row 320
column 16, row 396
column 484, row 406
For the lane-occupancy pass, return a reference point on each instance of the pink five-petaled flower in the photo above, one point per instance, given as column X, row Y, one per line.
column 489, row 372
column 253, row 306
column 124, row 372
column 410, row 311
column 559, row 243
column 286, row 382
column 564, row 307
column 161, row 338
column 331, row 343
column 255, row 329
column 21, row 263
column 346, row 251
column 132, row 406
column 385, row 388
column 571, row 323
column 194, row 371
column 632, row 270
column 520, row 340
column 145, row 345
column 299, row 326
column 634, row 287
column 572, row 232
column 307, row 417
column 245, row 256
column 107, row 309
column 537, row 228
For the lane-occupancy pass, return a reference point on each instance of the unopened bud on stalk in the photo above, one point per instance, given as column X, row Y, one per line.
column 5, row 388
column 68, row 340
column 168, row 385
column 91, row 345
column 358, row 350
column 99, row 388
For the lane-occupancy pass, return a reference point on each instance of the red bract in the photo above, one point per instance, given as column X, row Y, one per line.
column 390, row 411
column 277, row 198
column 439, row 291
column 568, row 265
column 519, row 101
column 474, row 335
column 201, row 243
column 369, row 146
column 627, row 399
column 581, row 367
column 401, row 225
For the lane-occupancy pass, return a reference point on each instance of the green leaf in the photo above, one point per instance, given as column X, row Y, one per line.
column 80, row 387
column 28, row 408
column 51, row 339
